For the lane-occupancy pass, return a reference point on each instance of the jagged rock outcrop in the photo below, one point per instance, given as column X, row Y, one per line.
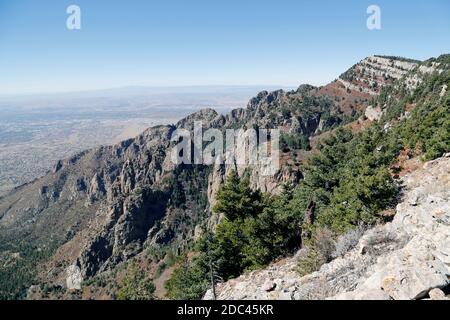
column 74, row 278
column 407, row 258
column 104, row 206
column 206, row 116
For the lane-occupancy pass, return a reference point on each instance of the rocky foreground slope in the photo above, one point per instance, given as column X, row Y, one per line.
column 408, row 258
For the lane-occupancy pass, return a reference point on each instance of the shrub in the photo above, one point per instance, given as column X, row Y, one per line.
column 317, row 252
column 189, row 281
column 294, row 142
column 135, row 285
column 348, row 241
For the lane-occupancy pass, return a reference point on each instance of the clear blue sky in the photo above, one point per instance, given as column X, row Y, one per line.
column 208, row 42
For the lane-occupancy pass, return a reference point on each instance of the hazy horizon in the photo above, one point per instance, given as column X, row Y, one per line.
column 176, row 44
column 138, row 89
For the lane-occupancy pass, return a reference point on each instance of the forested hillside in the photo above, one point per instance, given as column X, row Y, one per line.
column 351, row 183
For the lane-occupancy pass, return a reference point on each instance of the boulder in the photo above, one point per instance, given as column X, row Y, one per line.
column 269, row 285
column 437, row 294
column 373, row 113
column 74, row 278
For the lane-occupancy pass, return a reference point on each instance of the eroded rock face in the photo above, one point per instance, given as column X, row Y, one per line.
column 74, row 278
column 90, row 194
column 443, row 91
column 408, row 258
column 373, row 73
column 373, row 113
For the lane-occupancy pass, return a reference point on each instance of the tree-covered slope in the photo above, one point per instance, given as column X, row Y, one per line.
column 351, row 183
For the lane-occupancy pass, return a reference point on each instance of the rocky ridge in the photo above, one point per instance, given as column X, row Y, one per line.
column 104, row 206
column 373, row 73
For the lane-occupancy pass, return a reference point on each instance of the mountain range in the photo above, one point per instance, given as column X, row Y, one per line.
column 106, row 220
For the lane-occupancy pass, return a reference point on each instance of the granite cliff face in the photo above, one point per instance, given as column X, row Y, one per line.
column 101, row 207
column 407, row 258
